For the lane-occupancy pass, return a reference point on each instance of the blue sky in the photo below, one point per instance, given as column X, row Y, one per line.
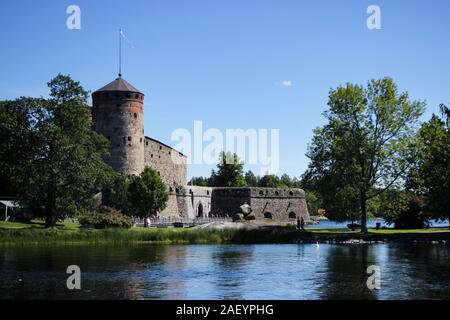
column 223, row 61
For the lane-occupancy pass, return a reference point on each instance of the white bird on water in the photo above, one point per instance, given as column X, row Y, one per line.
column 317, row 245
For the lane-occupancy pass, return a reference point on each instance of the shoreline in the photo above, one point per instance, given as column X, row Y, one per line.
column 247, row 234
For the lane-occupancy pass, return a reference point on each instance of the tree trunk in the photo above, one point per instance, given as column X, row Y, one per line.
column 145, row 222
column 50, row 221
column 363, row 204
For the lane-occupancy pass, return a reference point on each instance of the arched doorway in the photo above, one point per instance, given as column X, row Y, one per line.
column 200, row 211
column 268, row 215
column 292, row 215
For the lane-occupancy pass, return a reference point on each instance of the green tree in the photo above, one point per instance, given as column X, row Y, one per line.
column 115, row 193
column 250, row 179
column 230, row 171
column 403, row 209
column 61, row 166
column 200, row 181
column 286, row 181
column 313, row 203
column 16, row 143
column 430, row 176
column 147, row 194
column 269, row 181
column 365, row 148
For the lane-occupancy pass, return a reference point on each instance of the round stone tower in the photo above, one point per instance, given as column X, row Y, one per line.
column 118, row 114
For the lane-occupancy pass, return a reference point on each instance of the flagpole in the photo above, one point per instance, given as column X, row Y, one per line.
column 120, row 53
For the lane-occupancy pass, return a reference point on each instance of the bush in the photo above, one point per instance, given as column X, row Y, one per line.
column 404, row 210
column 106, row 217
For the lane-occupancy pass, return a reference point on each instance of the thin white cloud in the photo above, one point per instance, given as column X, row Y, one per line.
column 285, row 83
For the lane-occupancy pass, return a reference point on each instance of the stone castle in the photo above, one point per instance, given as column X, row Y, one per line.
column 118, row 114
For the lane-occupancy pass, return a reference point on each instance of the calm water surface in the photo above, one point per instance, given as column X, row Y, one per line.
column 226, row 272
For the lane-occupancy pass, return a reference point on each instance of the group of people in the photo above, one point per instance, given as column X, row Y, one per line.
column 300, row 223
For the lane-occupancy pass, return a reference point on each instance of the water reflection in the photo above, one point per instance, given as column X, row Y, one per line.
column 345, row 280
column 417, row 271
column 226, row 272
column 231, row 274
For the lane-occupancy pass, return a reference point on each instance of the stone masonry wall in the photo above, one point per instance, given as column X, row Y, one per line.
column 277, row 204
column 119, row 116
column 169, row 163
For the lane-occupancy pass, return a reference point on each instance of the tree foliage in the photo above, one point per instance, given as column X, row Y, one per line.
column 251, row 179
column 403, row 209
column 114, row 194
column 430, row 176
column 230, row 171
column 147, row 194
column 365, row 148
column 55, row 158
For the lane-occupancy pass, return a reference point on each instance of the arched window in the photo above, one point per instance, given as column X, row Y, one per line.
column 200, row 211
column 268, row 215
column 292, row 215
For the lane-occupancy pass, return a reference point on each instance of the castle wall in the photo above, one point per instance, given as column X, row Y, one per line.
column 119, row 116
column 280, row 204
column 194, row 201
column 227, row 201
column 171, row 210
column 188, row 202
column 169, row 163
column 277, row 204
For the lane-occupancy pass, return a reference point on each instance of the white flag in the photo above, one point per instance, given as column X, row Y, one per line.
column 127, row 40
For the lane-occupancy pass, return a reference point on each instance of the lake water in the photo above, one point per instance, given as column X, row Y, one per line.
column 226, row 271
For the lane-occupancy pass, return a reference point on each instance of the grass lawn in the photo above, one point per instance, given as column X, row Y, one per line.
column 35, row 224
column 67, row 233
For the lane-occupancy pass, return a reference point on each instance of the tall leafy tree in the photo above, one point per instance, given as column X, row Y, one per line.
column 365, row 148
column 17, row 143
column 61, row 166
column 147, row 194
column 403, row 209
column 430, row 176
column 251, row 179
column 230, row 171
column 269, row 181
column 115, row 193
